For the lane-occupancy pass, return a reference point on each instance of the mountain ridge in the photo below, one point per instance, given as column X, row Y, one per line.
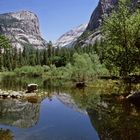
column 68, row 39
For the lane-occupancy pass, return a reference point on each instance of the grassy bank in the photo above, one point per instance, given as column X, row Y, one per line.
column 11, row 80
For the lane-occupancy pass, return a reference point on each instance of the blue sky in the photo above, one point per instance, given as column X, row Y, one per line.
column 56, row 16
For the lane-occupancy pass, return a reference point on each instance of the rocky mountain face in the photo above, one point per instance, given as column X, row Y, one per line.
column 104, row 7
column 22, row 28
column 92, row 32
column 69, row 38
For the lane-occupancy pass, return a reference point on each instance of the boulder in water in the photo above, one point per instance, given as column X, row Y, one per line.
column 31, row 88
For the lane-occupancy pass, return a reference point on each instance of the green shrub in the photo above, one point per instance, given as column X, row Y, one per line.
column 30, row 70
column 84, row 67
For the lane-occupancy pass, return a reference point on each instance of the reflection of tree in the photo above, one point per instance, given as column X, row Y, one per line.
column 18, row 83
column 115, row 120
column 6, row 134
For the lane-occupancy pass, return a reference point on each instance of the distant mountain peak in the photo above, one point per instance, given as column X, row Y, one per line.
column 67, row 39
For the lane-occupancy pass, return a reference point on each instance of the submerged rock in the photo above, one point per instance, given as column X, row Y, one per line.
column 32, row 99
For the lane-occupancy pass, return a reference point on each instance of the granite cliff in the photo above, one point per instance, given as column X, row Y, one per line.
column 22, row 28
column 103, row 9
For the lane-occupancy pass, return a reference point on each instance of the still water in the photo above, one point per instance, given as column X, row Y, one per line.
column 50, row 120
column 67, row 114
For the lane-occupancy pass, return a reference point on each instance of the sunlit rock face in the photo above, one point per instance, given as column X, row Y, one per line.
column 68, row 39
column 19, row 114
column 22, row 28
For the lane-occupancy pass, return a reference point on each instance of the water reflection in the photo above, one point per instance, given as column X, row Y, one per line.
column 69, row 114
column 68, row 101
column 115, row 120
column 6, row 134
column 17, row 113
column 20, row 83
column 55, row 119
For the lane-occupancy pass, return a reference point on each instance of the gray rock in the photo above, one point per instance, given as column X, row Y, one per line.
column 15, row 94
column 22, row 28
column 5, row 94
column 103, row 8
column 31, row 88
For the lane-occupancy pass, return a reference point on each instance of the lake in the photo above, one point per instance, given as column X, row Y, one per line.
column 66, row 114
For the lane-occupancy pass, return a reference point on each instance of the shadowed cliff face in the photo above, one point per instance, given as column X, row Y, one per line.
column 22, row 28
column 104, row 7
column 17, row 113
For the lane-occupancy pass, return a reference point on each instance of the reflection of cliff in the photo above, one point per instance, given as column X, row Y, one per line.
column 17, row 113
column 115, row 121
column 67, row 100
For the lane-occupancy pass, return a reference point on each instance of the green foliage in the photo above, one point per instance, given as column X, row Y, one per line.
column 121, row 33
column 59, row 61
column 4, row 42
column 30, row 70
column 118, row 52
column 87, row 66
column 84, row 67
column 54, row 72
